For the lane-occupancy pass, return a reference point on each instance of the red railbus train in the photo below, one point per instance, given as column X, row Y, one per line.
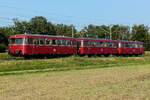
column 130, row 48
column 86, row 46
column 90, row 47
column 29, row 45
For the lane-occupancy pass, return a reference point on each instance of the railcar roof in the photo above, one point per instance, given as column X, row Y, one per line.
column 38, row 35
column 102, row 39
column 126, row 41
column 94, row 39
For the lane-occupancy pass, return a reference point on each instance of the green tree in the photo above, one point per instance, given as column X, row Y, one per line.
column 64, row 30
column 5, row 32
column 38, row 25
column 21, row 27
column 141, row 33
column 120, row 32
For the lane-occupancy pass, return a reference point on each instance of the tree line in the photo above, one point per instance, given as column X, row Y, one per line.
column 40, row 25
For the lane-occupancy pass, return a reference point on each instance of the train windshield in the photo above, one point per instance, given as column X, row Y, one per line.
column 16, row 41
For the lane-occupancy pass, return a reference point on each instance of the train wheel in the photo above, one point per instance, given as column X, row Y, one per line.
column 27, row 57
column 106, row 55
column 89, row 55
column 99, row 55
column 117, row 55
column 136, row 55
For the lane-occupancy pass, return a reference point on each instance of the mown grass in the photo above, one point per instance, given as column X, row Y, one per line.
column 70, row 63
column 116, row 83
column 4, row 55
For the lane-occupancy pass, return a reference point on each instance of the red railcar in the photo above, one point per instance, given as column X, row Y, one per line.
column 28, row 44
column 88, row 46
column 130, row 48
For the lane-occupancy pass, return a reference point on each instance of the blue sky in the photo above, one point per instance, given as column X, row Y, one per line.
column 77, row 12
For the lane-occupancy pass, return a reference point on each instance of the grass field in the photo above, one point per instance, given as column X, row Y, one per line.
column 117, row 83
column 75, row 78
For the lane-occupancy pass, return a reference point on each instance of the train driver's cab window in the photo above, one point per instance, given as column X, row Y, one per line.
column 19, row 40
column 12, row 41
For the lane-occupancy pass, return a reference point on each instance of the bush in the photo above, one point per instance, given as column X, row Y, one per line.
column 3, row 47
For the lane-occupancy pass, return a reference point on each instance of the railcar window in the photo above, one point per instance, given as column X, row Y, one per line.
column 36, row 41
column 141, row 46
column 105, row 44
column 68, row 42
column 85, row 43
column 127, row 45
column 136, row 45
column 90, row 43
column 64, row 42
column 59, row 42
column 101, row 44
column 115, row 45
column 54, row 42
column 29, row 41
column 109, row 44
column 19, row 41
column 97, row 44
column 48, row 41
column 133, row 45
column 41, row 41
column 94, row 43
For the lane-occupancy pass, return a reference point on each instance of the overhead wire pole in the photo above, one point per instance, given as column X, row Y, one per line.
column 72, row 32
column 110, row 32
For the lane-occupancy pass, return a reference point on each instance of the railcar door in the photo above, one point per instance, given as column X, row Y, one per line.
column 78, row 47
column 74, row 46
column 30, row 46
column 36, row 43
